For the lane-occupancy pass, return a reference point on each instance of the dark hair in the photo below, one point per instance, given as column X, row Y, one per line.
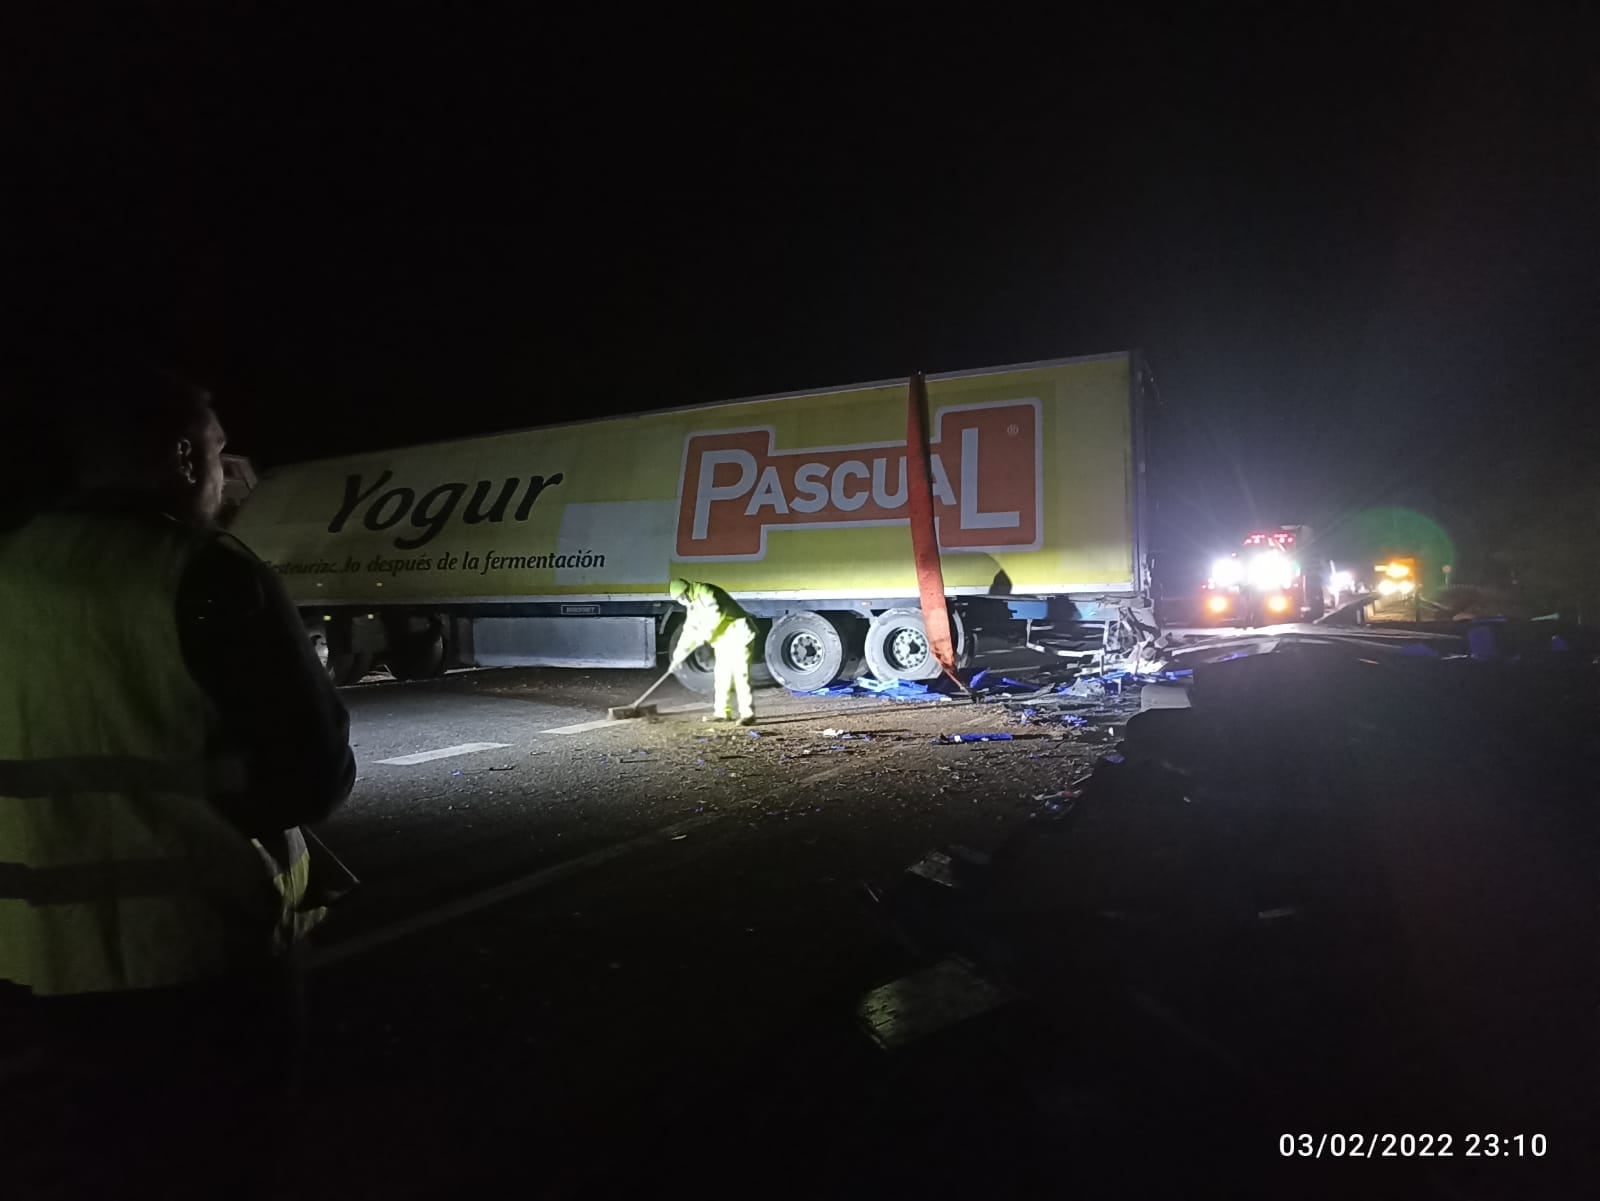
column 126, row 419
column 89, row 422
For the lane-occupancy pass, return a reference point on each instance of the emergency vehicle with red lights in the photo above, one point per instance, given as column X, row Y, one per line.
column 1264, row 582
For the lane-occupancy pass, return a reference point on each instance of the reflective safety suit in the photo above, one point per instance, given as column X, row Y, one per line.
column 118, row 871
column 714, row 617
column 164, row 729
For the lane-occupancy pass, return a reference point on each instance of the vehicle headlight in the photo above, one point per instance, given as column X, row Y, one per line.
column 1270, row 570
column 1217, row 604
column 1278, row 603
column 1387, row 587
column 1227, row 573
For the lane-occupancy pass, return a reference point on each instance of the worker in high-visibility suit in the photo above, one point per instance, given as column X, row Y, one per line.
column 715, row 618
column 165, row 729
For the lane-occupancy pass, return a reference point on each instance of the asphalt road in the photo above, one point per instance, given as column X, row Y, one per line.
column 593, row 958
column 574, row 936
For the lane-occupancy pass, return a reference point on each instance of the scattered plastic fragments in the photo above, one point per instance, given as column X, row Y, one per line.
column 946, row 739
column 894, row 690
column 1054, row 806
column 754, row 733
column 831, row 690
column 908, row 687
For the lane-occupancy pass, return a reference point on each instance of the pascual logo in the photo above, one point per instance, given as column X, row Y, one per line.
column 432, row 511
column 985, row 476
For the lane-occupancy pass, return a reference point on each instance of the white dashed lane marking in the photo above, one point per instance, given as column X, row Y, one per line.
column 464, row 748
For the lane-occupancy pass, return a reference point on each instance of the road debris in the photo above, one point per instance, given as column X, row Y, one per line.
column 926, row 1002
column 893, row 690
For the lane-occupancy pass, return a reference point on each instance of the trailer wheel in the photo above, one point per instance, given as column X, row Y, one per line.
column 805, row 651
column 898, row 649
column 696, row 672
column 418, row 655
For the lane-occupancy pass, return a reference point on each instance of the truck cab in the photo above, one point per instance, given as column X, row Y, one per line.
column 1265, row 582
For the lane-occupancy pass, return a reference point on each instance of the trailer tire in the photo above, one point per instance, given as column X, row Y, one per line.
column 897, row 645
column 417, row 656
column 805, row 651
column 696, row 672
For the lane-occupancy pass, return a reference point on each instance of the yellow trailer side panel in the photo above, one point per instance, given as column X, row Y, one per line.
column 799, row 495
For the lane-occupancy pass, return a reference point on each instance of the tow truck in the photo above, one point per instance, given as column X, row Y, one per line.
column 1397, row 577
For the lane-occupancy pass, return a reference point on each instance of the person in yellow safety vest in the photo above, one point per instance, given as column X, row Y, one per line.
column 715, row 618
column 165, row 729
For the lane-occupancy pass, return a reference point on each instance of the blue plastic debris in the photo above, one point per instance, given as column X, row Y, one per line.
column 754, row 733
column 953, row 738
column 1113, row 757
column 894, row 690
column 977, row 680
column 1481, row 642
column 1072, row 719
column 830, row 690
column 1010, row 683
column 898, row 690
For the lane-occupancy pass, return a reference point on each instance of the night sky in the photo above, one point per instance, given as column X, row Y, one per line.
column 1356, row 243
